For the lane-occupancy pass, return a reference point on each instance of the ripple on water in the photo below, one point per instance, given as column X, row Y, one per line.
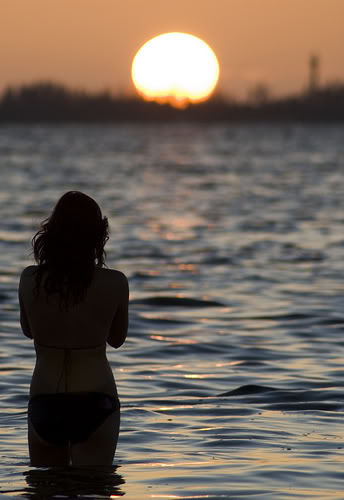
column 176, row 302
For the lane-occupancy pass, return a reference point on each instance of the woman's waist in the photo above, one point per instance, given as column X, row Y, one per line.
column 38, row 387
column 96, row 398
column 72, row 377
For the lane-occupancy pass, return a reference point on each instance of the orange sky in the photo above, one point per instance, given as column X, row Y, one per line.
column 91, row 43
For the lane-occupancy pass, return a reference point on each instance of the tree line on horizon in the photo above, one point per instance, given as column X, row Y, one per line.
column 51, row 102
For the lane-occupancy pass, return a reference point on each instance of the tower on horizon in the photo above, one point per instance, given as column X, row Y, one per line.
column 314, row 63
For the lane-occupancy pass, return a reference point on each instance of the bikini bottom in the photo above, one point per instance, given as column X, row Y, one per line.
column 68, row 417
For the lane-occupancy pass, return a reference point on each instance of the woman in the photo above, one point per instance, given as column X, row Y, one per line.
column 70, row 305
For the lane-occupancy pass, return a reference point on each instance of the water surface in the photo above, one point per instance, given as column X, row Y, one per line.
column 231, row 380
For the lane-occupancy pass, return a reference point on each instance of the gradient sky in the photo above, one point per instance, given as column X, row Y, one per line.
column 90, row 44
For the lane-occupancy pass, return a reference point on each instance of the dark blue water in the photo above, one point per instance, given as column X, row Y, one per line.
column 232, row 378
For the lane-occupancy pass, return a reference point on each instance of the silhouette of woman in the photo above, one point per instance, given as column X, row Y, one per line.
column 70, row 305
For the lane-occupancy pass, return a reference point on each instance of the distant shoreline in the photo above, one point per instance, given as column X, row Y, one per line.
column 53, row 103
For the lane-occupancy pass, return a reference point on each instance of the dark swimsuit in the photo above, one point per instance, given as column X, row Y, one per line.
column 64, row 418
column 69, row 417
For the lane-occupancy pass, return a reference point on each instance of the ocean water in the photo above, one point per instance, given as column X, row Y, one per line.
column 232, row 378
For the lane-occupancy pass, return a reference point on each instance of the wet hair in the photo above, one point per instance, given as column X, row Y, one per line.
column 68, row 248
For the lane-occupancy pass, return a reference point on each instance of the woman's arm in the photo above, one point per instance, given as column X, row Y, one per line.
column 119, row 326
column 23, row 317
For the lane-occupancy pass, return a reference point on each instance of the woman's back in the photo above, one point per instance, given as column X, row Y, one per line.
column 88, row 323
column 71, row 343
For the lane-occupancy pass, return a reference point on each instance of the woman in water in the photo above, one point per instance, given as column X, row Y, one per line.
column 70, row 305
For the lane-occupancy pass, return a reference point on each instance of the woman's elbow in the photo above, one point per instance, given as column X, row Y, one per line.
column 25, row 329
column 117, row 341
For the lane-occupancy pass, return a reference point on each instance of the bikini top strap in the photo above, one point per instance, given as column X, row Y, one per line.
column 44, row 346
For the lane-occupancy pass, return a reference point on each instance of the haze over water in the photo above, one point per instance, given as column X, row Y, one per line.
column 231, row 380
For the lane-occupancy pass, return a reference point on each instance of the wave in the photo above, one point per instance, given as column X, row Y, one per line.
column 167, row 301
column 273, row 398
column 248, row 389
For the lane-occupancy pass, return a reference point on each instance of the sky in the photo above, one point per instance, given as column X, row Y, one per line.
column 90, row 44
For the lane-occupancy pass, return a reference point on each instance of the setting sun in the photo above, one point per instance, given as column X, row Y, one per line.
column 175, row 68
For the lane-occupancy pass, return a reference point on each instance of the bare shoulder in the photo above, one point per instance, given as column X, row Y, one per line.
column 114, row 277
column 28, row 272
column 26, row 280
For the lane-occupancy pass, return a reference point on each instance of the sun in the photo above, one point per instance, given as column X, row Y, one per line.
column 175, row 68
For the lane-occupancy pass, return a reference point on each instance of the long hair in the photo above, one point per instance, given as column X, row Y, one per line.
column 69, row 246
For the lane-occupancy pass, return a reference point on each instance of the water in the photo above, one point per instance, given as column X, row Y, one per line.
column 232, row 378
